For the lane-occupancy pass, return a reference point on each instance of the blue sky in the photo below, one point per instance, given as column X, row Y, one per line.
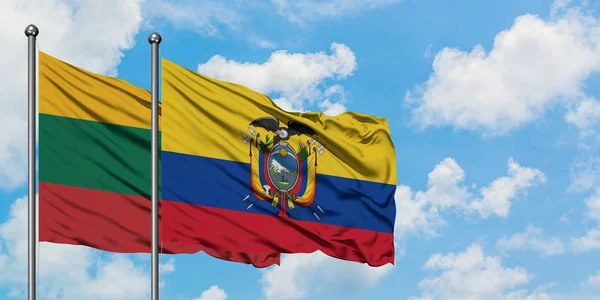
column 493, row 108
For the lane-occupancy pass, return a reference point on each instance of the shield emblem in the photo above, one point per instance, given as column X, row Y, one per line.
column 283, row 166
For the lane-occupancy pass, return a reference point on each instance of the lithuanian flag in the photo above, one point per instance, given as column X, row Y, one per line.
column 95, row 163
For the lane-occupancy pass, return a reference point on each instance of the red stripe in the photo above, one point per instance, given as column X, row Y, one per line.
column 222, row 228
column 118, row 223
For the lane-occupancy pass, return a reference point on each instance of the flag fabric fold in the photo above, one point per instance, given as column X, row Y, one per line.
column 242, row 174
column 94, row 166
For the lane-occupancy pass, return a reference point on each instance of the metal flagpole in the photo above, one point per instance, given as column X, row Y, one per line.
column 154, row 39
column 31, row 32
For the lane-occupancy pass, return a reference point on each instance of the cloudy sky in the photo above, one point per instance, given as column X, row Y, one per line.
column 493, row 108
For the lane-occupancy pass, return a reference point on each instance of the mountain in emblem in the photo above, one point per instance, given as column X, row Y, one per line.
column 275, row 166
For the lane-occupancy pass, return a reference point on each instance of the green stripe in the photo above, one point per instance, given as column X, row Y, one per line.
column 94, row 155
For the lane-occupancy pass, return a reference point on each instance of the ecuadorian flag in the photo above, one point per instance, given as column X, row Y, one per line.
column 250, row 176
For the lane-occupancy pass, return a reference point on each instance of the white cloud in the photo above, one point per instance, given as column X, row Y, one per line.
column 586, row 116
column 213, row 293
column 593, row 282
column 536, row 295
column 532, row 239
column 446, row 190
column 419, row 211
column 296, row 78
column 203, row 17
column 167, row 267
column 415, row 214
column 472, row 275
column 532, row 66
column 559, row 6
column 118, row 278
column 585, row 174
column 73, row 31
column 331, row 109
column 261, row 42
column 589, row 242
column 427, row 53
column 66, row 271
column 593, row 205
column 301, row 275
column 334, row 101
column 301, row 11
column 496, row 197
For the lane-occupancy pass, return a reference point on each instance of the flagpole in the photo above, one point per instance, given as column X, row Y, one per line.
column 154, row 39
column 31, row 32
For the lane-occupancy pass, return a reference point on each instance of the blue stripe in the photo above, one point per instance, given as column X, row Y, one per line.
column 223, row 184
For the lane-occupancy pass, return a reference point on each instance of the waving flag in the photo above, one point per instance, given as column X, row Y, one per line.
column 242, row 174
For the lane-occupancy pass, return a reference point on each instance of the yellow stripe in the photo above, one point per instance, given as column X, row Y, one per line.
column 68, row 91
column 205, row 117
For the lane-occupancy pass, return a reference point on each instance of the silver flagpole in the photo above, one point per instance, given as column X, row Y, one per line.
column 154, row 41
column 31, row 32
